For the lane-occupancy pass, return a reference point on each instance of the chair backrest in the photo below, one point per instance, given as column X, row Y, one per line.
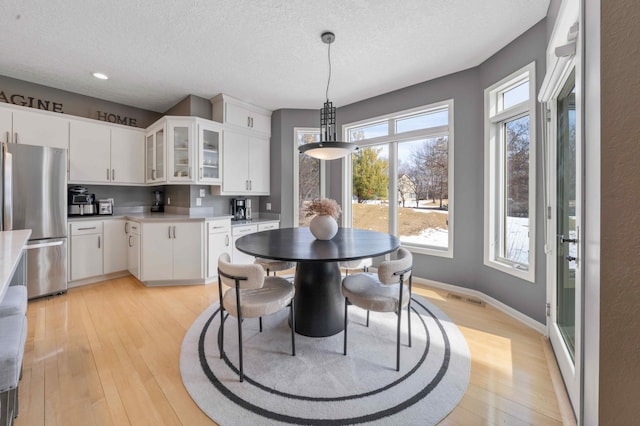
column 357, row 264
column 387, row 269
column 254, row 274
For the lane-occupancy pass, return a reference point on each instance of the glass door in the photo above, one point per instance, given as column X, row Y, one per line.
column 566, row 298
column 209, row 143
column 180, row 148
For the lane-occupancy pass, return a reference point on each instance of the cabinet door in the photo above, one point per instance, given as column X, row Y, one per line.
column 156, row 252
column 209, row 144
column 259, row 166
column 115, row 243
column 235, row 170
column 188, row 251
column 127, row 156
column 86, row 256
column 218, row 243
column 5, row 124
column 237, row 115
column 155, row 155
column 89, row 152
column 261, row 122
column 41, row 129
column 133, row 254
column 180, row 148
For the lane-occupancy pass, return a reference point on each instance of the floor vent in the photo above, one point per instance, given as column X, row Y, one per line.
column 466, row 299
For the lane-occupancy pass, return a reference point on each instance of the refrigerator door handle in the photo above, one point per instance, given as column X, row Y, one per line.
column 8, row 191
column 40, row 245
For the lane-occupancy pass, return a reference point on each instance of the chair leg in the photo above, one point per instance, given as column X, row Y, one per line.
column 240, row 346
column 398, row 339
column 221, row 346
column 367, row 318
column 260, row 320
column 6, row 415
column 346, row 303
column 292, row 316
column 409, row 318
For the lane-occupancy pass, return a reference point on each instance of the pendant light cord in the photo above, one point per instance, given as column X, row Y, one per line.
column 329, row 80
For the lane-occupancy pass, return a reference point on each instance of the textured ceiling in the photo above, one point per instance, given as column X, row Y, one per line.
column 267, row 52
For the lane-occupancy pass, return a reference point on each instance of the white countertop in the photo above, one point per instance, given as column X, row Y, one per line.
column 166, row 217
column 11, row 245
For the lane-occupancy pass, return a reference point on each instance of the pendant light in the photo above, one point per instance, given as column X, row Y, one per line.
column 328, row 148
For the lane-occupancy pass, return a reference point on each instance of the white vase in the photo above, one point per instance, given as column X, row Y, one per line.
column 323, row 227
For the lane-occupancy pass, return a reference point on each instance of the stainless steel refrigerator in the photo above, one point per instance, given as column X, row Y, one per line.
column 34, row 196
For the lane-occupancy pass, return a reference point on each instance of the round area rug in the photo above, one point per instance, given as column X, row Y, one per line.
column 320, row 385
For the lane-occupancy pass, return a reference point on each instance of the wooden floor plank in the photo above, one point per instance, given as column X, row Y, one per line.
column 108, row 354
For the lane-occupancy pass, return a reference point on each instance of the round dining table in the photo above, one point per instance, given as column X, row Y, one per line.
column 319, row 304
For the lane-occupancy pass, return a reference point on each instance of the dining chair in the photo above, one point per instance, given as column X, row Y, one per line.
column 251, row 295
column 384, row 292
column 270, row 265
column 350, row 265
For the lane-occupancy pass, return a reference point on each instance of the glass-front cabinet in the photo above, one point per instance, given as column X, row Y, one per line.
column 209, row 146
column 155, row 170
column 180, row 134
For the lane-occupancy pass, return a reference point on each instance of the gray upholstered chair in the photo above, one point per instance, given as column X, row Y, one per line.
column 251, row 295
column 270, row 265
column 13, row 335
column 350, row 265
column 384, row 292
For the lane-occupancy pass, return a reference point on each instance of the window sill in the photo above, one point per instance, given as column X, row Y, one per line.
column 413, row 248
column 512, row 269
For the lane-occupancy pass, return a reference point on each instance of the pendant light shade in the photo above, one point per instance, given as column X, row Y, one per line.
column 328, row 148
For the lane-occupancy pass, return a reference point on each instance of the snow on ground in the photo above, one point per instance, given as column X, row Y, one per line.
column 431, row 237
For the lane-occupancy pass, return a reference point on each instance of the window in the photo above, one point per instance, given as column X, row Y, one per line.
column 510, row 174
column 402, row 177
column 307, row 172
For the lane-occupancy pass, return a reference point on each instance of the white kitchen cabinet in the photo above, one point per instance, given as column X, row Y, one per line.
column 99, row 153
column 115, row 241
column 86, row 249
column 245, row 164
column 172, row 251
column 180, row 149
column 267, row 226
column 234, row 112
column 133, row 229
column 238, row 231
column 209, row 148
column 218, row 242
column 155, row 153
column 33, row 127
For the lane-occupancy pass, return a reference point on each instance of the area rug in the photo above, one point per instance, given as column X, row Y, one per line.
column 320, row 385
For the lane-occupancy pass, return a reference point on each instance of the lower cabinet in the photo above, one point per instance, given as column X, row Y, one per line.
column 132, row 229
column 237, row 232
column 218, row 242
column 115, row 238
column 86, row 249
column 172, row 251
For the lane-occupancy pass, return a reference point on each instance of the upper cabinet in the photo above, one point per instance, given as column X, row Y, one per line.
column 155, row 153
column 33, row 127
column 180, row 149
column 246, row 164
column 105, row 154
column 241, row 115
column 209, row 152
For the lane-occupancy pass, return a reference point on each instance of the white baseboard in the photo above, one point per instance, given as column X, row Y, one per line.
column 524, row 319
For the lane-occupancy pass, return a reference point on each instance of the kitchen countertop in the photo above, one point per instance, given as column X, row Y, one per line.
column 11, row 245
column 166, row 217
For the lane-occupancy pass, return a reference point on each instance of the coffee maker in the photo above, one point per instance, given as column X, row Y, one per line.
column 158, row 202
column 238, row 209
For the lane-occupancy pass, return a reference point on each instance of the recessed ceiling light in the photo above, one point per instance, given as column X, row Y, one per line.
column 100, row 76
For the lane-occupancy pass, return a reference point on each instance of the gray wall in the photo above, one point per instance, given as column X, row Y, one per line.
column 466, row 88
column 74, row 103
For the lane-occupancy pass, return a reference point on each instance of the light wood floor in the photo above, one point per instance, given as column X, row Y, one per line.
column 108, row 354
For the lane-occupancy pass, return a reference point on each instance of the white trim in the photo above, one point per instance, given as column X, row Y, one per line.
column 519, row 316
column 493, row 204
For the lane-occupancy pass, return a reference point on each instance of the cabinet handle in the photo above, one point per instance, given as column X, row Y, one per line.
column 169, row 232
column 200, row 172
column 15, row 137
column 113, row 174
column 107, row 174
column 86, row 229
column 130, row 241
column 126, row 227
column 153, row 174
column 250, row 185
column 248, row 121
column 226, row 240
column 98, row 241
column 252, row 122
column 189, row 172
column 8, row 137
column 174, row 232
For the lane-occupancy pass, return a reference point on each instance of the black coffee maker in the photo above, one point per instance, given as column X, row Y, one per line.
column 238, row 209
column 158, row 202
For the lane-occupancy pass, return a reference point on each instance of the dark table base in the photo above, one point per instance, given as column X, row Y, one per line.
column 319, row 304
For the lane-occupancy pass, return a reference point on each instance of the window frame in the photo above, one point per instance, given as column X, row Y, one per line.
column 495, row 172
column 296, row 172
column 392, row 139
